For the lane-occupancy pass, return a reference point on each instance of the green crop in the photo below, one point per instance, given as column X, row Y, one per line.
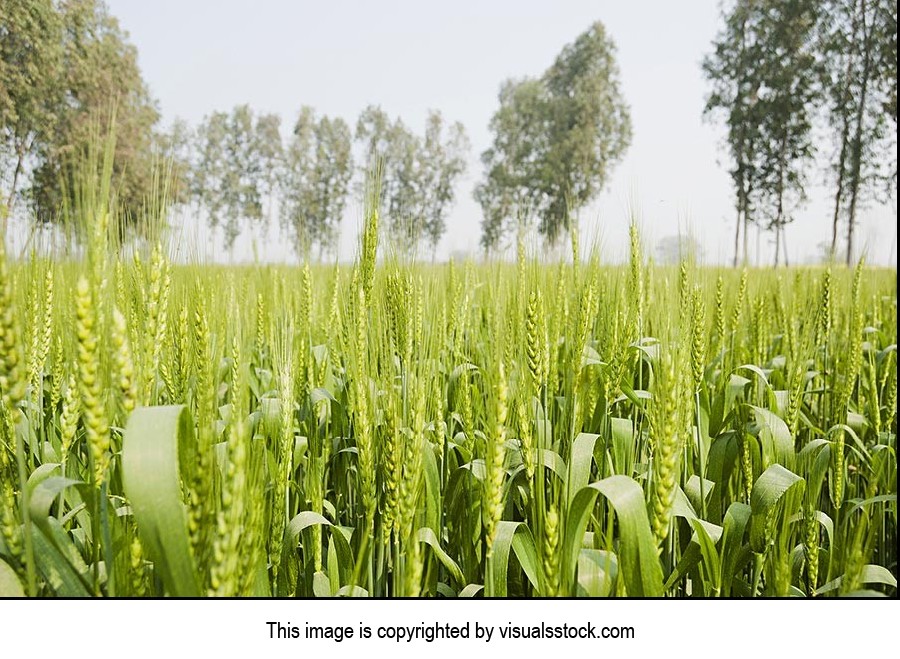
column 390, row 428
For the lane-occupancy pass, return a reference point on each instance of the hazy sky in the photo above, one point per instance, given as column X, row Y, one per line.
column 200, row 56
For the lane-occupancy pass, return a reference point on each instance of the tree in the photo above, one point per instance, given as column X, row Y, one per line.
column 103, row 87
column 514, row 160
column 373, row 130
column 269, row 154
column 787, row 97
column 174, row 151
column 30, row 83
column 888, row 63
column 400, row 187
column 315, row 181
column 208, row 179
column 887, row 38
column 731, row 69
column 442, row 162
column 555, row 140
column 673, row 249
column 418, row 174
column 237, row 157
column 590, row 127
column 861, row 83
column 391, row 147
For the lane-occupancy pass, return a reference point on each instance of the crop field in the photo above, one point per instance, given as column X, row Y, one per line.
column 389, row 428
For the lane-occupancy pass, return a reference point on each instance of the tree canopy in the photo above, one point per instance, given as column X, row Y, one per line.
column 775, row 65
column 318, row 166
column 418, row 172
column 556, row 140
column 235, row 170
column 67, row 69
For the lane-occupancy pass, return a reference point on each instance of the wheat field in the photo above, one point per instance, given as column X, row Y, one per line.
column 491, row 429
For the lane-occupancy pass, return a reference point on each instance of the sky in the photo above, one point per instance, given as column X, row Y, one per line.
column 199, row 56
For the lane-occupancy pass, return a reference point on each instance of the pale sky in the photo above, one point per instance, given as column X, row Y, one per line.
column 200, row 56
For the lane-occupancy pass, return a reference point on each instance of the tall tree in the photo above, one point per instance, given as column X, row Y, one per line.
column 315, row 182
column 513, row 162
column 555, row 140
column 373, row 130
column 403, row 195
column 419, row 173
column 391, row 147
column 103, row 87
column 787, row 98
column 442, row 162
column 237, row 154
column 269, row 155
column 861, row 83
column 208, row 179
column 888, row 64
column 174, row 149
column 887, row 38
column 590, row 127
column 31, row 90
column 732, row 71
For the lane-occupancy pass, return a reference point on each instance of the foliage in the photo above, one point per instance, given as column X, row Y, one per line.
column 773, row 66
column 318, row 164
column 861, row 85
column 236, row 156
column 786, row 103
column 80, row 74
column 555, row 140
column 31, row 93
column 418, row 173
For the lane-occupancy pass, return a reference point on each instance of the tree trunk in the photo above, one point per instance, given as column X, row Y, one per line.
column 746, row 232
column 779, row 216
column 746, row 213
column 787, row 263
column 842, row 159
column 856, row 159
column 845, row 136
column 758, row 260
column 740, row 210
column 15, row 181
column 748, row 192
column 741, row 153
column 777, row 243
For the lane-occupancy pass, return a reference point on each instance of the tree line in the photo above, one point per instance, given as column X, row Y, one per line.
column 556, row 138
column 68, row 77
column 238, row 170
column 68, row 73
column 779, row 71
